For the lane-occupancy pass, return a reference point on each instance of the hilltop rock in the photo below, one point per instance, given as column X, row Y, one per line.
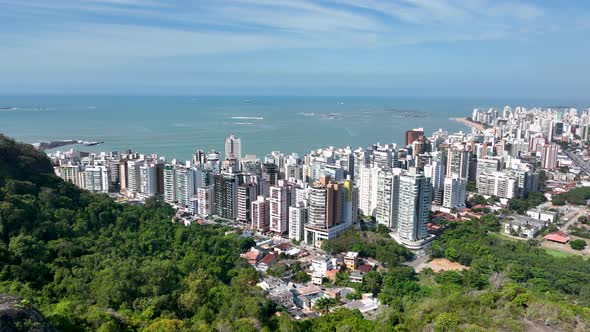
column 17, row 316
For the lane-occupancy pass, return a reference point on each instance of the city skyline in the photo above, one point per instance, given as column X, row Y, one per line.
column 401, row 48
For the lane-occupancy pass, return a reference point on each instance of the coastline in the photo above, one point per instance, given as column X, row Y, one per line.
column 42, row 146
column 471, row 124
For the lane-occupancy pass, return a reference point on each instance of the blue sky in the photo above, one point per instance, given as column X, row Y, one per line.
column 452, row 48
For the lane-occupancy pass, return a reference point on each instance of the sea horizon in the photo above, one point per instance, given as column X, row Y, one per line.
column 176, row 126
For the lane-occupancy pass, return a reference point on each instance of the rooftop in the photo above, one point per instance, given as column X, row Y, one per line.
column 558, row 236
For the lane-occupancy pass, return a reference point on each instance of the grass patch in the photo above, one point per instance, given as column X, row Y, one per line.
column 562, row 254
column 558, row 253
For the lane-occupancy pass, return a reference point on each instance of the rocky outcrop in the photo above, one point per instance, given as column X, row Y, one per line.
column 16, row 315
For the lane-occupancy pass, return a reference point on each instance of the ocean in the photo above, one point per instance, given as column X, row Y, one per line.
column 176, row 126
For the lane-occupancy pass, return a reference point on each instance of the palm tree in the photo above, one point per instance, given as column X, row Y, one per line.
column 324, row 304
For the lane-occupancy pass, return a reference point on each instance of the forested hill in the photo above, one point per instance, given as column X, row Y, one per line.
column 24, row 163
column 90, row 264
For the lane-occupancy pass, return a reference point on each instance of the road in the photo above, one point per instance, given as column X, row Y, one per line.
column 579, row 161
column 572, row 220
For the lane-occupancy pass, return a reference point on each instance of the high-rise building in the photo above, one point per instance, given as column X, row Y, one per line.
column 70, row 173
column 247, row 193
column 383, row 158
column 457, row 163
column 414, row 206
column 114, row 169
column 170, row 190
column 436, row 172
column 388, row 198
column 149, row 180
column 270, row 173
column 261, row 214
column 226, row 191
column 498, row 184
column 368, row 190
column 297, row 220
column 133, row 176
column 205, row 201
column 414, row 134
column 96, row 179
column 233, row 148
column 549, row 157
column 335, row 203
column 317, row 206
column 454, row 192
column 123, row 177
column 199, row 158
column 278, row 209
column 186, row 184
column 488, row 165
column 330, row 210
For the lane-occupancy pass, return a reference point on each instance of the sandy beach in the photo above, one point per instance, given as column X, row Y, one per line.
column 470, row 123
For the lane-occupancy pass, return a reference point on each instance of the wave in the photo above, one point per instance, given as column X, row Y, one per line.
column 247, row 117
column 244, row 123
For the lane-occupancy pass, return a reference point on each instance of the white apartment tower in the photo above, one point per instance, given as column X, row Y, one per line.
column 169, row 184
column 454, row 192
column 457, row 162
column 133, row 176
column 317, row 206
column 278, row 209
column 388, row 197
column 149, row 181
column 96, row 179
column 297, row 220
column 549, row 157
column 205, row 200
column 414, row 206
column 368, row 189
column 185, row 185
column 233, row 147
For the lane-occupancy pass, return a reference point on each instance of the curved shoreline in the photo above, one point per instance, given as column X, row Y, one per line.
column 56, row 144
column 471, row 124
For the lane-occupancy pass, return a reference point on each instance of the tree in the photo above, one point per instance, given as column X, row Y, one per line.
column 382, row 229
column 341, row 278
column 446, row 321
column 578, row 244
column 301, row 277
column 324, row 305
column 372, row 282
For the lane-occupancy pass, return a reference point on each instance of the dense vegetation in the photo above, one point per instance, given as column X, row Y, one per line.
column 578, row 244
column 580, row 231
column 90, row 264
column 374, row 244
column 576, row 196
column 521, row 205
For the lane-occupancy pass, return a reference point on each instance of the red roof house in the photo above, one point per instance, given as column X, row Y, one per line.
column 559, row 237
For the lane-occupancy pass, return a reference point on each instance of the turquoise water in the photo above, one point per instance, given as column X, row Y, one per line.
column 176, row 126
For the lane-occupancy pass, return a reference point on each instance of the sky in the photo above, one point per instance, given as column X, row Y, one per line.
column 433, row 48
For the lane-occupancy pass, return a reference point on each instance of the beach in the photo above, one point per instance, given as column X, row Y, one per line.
column 472, row 124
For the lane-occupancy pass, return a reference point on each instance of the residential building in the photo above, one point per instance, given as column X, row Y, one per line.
column 414, row 206
column 297, row 220
column 205, row 200
column 454, row 192
column 226, row 191
column 233, row 148
column 261, row 214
